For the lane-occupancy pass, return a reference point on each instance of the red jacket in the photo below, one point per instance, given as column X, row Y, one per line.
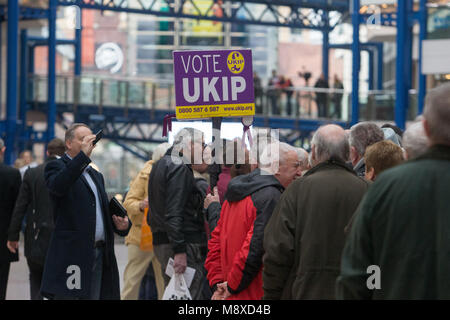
column 236, row 244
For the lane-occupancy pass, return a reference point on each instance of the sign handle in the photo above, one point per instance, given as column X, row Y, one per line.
column 217, row 153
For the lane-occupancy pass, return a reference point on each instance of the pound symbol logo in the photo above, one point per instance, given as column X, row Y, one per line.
column 235, row 62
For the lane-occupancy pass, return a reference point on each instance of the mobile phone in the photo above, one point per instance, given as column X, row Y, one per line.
column 98, row 136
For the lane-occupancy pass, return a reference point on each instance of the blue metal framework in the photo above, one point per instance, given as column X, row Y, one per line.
column 280, row 13
column 276, row 13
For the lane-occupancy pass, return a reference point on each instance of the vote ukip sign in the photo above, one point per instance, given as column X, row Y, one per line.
column 213, row 83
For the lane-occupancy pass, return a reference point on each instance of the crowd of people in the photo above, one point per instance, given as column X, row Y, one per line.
column 279, row 222
column 327, row 104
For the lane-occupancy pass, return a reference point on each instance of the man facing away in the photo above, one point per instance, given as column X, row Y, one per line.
column 34, row 193
column 362, row 135
column 9, row 190
column 304, row 238
column 80, row 263
column 398, row 246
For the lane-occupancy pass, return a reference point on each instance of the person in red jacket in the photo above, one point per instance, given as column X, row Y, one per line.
column 234, row 260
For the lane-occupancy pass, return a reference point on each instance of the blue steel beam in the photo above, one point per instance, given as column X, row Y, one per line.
column 78, row 38
column 355, row 61
column 25, row 13
column 325, row 49
column 138, row 154
column 11, row 86
column 422, row 36
column 23, row 87
column 402, row 63
column 380, row 64
column 51, row 115
column 41, row 41
column 295, row 18
column 371, row 69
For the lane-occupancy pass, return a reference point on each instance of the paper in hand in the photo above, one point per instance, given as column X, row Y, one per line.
column 188, row 274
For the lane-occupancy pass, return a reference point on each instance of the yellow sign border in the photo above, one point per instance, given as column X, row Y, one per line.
column 220, row 110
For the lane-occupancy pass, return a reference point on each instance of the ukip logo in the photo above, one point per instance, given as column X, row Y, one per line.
column 235, row 62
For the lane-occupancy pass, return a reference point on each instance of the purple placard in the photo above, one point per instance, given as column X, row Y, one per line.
column 219, row 80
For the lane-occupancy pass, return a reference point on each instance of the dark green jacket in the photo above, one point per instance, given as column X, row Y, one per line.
column 402, row 226
column 305, row 236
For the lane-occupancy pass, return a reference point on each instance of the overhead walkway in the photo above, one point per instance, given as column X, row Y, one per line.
column 132, row 110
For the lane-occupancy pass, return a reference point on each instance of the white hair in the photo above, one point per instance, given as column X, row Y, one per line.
column 160, row 151
column 186, row 136
column 302, row 157
column 437, row 114
column 330, row 146
column 274, row 155
column 415, row 141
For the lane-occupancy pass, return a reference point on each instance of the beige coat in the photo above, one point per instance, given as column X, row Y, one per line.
column 137, row 193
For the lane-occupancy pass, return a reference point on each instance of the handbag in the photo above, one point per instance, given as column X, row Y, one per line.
column 146, row 234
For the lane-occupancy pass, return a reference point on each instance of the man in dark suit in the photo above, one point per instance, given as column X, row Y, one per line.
column 80, row 263
column 34, row 194
column 9, row 189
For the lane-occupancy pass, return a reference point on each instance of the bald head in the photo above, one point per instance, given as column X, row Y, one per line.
column 329, row 141
column 437, row 115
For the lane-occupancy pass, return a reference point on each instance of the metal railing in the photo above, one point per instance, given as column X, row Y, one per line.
column 292, row 102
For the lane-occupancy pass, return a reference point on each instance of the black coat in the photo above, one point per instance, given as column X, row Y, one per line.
column 33, row 194
column 73, row 239
column 9, row 189
column 176, row 205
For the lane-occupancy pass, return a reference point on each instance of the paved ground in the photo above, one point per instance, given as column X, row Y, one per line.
column 19, row 286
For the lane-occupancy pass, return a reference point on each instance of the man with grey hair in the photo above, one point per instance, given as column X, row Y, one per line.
column 303, row 158
column 234, row 261
column 362, row 135
column 415, row 141
column 305, row 235
column 10, row 181
column 176, row 210
column 401, row 227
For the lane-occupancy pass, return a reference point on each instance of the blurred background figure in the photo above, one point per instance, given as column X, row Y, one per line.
column 9, row 190
column 337, row 97
column 274, row 92
column 34, row 203
column 257, row 86
column 321, row 97
column 27, row 160
column 287, row 88
column 136, row 203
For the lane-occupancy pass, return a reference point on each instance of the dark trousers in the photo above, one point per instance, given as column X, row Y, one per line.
column 4, row 274
column 289, row 104
column 274, row 103
column 322, row 107
column 337, row 108
column 196, row 256
column 148, row 290
column 36, row 271
column 96, row 277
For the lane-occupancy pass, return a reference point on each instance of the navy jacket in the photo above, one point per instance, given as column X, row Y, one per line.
column 72, row 242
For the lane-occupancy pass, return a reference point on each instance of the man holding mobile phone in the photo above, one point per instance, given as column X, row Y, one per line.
column 81, row 263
